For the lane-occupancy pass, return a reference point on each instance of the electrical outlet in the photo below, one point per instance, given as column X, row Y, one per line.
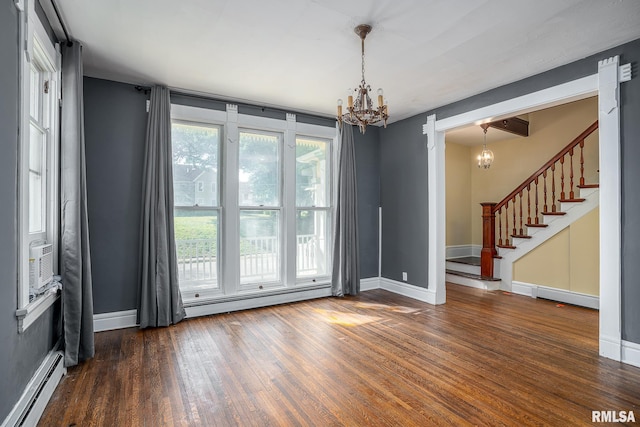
column 404, row 276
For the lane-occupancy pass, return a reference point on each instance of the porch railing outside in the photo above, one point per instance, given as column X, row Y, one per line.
column 259, row 260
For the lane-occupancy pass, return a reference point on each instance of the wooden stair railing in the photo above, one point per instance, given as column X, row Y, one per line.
column 502, row 210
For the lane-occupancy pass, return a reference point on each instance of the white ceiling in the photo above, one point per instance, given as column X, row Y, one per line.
column 303, row 54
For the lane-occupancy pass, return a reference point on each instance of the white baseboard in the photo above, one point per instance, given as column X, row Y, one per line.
column 487, row 285
column 369, row 283
column 631, row 353
column 459, row 251
column 256, row 301
column 36, row 395
column 562, row 295
column 115, row 320
column 407, row 290
column 522, row 288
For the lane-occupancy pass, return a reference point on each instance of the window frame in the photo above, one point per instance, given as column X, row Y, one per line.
column 207, row 122
column 232, row 123
column 37, row 49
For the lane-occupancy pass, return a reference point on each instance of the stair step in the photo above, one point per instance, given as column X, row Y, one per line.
column 521, row 236
column 554, row 213
column 472, row 276
column 537, row 225
column 468, row 260
column 506, row 247
column 571, row 200
column 589, row 186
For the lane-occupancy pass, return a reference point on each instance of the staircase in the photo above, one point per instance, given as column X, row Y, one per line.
column 527, row 217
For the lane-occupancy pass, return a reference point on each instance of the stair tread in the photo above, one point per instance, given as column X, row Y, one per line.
column 521, row 236
column 571, row 200
column 589, row 186
column 554, row 213
column 472, row 276
column 537, row 225
column 506, row 247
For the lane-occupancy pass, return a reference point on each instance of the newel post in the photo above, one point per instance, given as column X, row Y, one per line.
column 488, row 239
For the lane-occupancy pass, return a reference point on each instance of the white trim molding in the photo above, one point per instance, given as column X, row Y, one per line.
column 369, row 283
column 115, row 320
column 29, row 408
column 29, row 314
column 555, row 294
column 407, row 290
column 605, row 84
column 631, row 353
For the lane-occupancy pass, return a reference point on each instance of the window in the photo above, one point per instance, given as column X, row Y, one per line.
column 196, row 162
column 265, row 203
column 38, row 170
column 313, row 207
column 259, row 164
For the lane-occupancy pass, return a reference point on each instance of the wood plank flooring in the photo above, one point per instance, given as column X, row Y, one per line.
column 378, row 359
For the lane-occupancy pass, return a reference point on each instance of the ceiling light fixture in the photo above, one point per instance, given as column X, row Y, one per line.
column 486, row 157
column 360, row 111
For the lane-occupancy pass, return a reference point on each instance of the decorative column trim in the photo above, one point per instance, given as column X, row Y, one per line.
column 437, row 214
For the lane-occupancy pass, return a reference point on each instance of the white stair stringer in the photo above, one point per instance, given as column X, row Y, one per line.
column 556, row 223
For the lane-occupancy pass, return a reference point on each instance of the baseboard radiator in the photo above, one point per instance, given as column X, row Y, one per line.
column 33, row 401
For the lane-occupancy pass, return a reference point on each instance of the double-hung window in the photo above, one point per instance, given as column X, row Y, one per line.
column 313, row 207
column 38, row 168
column 196, row 177
column 253, row 203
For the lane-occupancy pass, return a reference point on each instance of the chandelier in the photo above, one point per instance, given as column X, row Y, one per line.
column 486, row 157
column 360, row 110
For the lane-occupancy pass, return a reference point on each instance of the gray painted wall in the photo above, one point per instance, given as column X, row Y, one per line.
column 21, row 354
column 403, row 195
column 399, row 252
column 368, row 180
column 115, row 126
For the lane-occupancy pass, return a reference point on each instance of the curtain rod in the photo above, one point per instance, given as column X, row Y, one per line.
column 64, row 29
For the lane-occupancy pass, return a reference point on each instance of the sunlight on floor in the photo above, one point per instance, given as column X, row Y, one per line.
column 345, row 319
column 394, row 308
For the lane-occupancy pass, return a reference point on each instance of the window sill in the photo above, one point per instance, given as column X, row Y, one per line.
column 29, row 314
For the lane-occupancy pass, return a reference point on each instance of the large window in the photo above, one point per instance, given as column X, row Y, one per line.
column 313, row 206
column 38, row 168
column 253, row 203
column 196, row 176
column 259, row 183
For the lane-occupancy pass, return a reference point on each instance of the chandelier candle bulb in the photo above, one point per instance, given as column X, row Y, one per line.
column 350, row 101
column 339, row 107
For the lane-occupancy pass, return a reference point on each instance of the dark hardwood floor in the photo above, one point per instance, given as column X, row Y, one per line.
column 379, row 359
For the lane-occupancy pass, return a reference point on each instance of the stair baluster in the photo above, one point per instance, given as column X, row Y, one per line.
column 562, row 178
column 582, row 162
column 514, row 216
column 544, row 176
column 571, row 193
column 553, row 187
column 520, row 230
column 529, row 203
column 537, row 214
column 506, row 220
column 500, row 227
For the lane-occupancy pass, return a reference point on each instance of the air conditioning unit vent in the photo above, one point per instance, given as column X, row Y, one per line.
column 41, row 265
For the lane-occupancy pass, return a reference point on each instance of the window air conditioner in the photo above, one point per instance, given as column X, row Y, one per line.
column 41, row 266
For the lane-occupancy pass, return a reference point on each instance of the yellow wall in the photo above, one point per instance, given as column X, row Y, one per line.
column 569, row 260
column 458, row 193
column 517, row 158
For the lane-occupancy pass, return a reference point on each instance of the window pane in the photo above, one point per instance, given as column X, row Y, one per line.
column 37, row 180
column 259, row 169
column 196, row 152
column 259, row 246
column 196, row 233
column 312, row 249
column 312, row 175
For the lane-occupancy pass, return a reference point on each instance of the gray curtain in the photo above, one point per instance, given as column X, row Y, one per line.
column 75, row 259
column 159, row 302
column 346, row 262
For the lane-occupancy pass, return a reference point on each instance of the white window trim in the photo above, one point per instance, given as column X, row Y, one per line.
column 229, row 274
column 35, row 41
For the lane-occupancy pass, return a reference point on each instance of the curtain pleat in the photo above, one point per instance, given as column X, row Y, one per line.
column 346, row 261
column 75, row 257
column 159, row 302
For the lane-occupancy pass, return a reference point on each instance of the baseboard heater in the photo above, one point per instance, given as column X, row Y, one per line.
column 29, row 409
